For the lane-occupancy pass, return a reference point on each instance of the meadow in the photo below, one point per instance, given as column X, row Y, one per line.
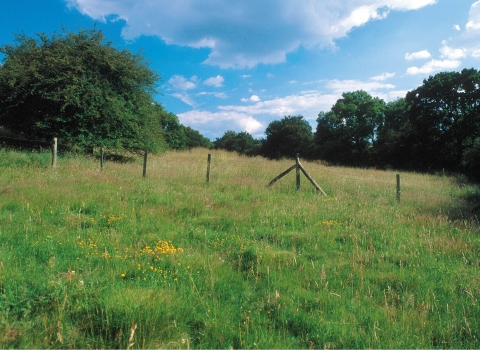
column 107, row 259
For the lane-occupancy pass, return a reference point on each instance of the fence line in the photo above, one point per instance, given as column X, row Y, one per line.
column 297, row 166
column 22, row 142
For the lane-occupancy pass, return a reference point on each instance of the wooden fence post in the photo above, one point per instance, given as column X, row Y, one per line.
column 145, row 164
column 54, row 152
column 299, row 167
column 398, row 188
column 209, row 159
column 101, row 158
column 298, row 172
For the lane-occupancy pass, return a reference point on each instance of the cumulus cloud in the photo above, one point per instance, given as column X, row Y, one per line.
column 223, row 120
column 244, row 33
column 434, row 66
column 474, row 17
column 467, row 42
column 383, row 76
column 253, row 98
column 179, row 82
column 214, row 81
column 424, row 54
column 340, row 86
column 452, row 53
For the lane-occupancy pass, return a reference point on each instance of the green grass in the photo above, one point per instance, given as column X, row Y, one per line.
column 85, row 255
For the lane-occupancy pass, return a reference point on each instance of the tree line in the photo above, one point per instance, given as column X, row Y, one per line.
column 435, row 127
column 78, row 87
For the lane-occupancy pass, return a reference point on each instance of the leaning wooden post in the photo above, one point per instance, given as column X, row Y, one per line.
column 312, row 181
column 145, row 163
column 298, row 172
column 398, row 188
column 54, row 152
column 101, row 158
column 209, row 159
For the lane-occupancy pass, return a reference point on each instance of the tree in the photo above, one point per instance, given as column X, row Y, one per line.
column 78, row 87
column 471, row 161
column 173, row 131
column 445, row 118
column 393, row 145
column 350, row 129
column 242, row 143
column 287, row 137
column 195, row 139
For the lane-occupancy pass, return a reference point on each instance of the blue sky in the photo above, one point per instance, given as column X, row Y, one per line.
column 240, row 64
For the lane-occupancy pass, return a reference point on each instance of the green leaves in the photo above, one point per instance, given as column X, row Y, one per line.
column 445, row 115
column 78, row 87
column 346, row 133
column 287, row 137
column 242, row 143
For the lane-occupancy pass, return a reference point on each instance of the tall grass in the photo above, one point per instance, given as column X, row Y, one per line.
column 104, row 259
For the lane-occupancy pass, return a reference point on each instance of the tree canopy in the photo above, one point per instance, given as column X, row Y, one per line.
column 445, row 116
column 78, row 87
column 350, row 128
column 242, row 143
column 287, row 137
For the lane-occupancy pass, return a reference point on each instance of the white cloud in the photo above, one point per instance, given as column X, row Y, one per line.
column 434, row 66
column 467, row 42
column 383, row 76
column 243, row 33
column 250, row 124
column 457, row 27
column 221, row 95
column 185, row 98
column 253, row 98
column 306, row 103
column 245, row 76
column 452, row 53
column 244, row 122
column 474, row 17
column 424, row 54
column 179, row 82
column 214, row 81
column 341, row 86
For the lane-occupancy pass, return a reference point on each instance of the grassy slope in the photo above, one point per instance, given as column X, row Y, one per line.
column 85, row 255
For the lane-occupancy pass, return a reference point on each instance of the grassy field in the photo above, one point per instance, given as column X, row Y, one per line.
column 106, row 259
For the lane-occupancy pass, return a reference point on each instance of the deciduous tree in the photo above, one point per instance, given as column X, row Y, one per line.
column 347, row 132
column 78, row 87
column 287, row 137
column 445, row 117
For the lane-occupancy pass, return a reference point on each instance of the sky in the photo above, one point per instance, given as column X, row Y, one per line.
column 241, row 64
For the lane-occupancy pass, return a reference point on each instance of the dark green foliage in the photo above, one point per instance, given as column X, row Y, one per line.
column 174, row 132
column 471, row 161
column 349, row 130
column 392, row 146
column 195, row 139
column 79, row 88
column 445, row 116
column 435, row 127
column 242, row 143
column 287, row 137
